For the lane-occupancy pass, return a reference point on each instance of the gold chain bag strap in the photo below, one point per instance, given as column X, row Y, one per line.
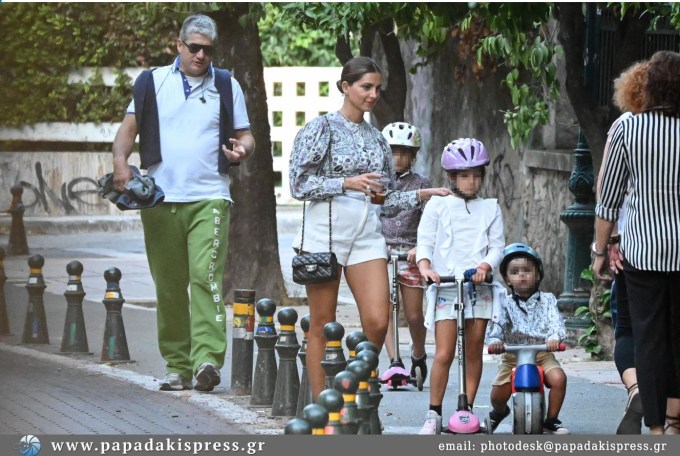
column 319, row 267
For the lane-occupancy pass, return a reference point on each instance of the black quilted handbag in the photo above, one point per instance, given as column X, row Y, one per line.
column 317, row 267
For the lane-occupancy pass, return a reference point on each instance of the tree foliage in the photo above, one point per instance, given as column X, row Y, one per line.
column 286, row 44
column 57, row 38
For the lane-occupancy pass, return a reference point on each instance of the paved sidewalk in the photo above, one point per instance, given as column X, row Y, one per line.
column 98, row 251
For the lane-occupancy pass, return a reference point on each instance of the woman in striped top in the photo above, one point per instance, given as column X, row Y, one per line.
column 645, row 152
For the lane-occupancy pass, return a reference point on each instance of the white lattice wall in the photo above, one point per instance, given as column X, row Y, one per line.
column 295, row 95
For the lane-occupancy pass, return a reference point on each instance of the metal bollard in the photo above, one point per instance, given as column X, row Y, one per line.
column 242, row 342
column 74, row 339
column 17, row 233
column 331, row 399
column 374, row 393
column 363, row 371
column 305, row 396
column 352, row 340
column 35, row 325
column 114, row 348
column 317, row 417
column 264, row 377
column 347, row 383
column 287, row 387
column 4, row 318
column 334, row 360
column 297, row 426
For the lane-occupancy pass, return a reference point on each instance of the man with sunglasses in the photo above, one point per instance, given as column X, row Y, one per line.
column 192, row 124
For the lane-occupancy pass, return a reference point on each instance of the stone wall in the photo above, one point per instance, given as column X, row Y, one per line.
column 531, row 184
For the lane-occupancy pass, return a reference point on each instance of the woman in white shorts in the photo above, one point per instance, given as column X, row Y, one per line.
column 356, row 168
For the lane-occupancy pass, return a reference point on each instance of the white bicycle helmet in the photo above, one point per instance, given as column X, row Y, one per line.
column 402, row 134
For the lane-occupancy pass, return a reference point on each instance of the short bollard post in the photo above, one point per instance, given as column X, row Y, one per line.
column 347, row 383
column 334, row 360
column 352, row 340
column 17, row 233
column 331, row 399
column 242, row 342
column 114, row 348
column 287, row 387
column 35, row 326
column 317, row 417
column 297, row 426
column 264, row 377
column 305, row 395
column 374, row 394
column 363, row 371
column 74, row 339
column 4, row 318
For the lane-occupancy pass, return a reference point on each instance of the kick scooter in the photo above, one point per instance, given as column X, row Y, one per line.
column 464, row 421
column 528, row 398
column 397, row 375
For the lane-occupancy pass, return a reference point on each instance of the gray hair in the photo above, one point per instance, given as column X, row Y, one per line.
column 201, row 24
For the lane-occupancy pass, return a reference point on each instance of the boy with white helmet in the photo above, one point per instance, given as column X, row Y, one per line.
column 459, row 235
column 400, row 235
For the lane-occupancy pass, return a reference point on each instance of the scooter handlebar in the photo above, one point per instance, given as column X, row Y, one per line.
column 400, row 256
column 514, row 348
column 450, row 279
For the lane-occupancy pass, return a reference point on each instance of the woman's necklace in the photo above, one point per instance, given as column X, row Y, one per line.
column 348, row 119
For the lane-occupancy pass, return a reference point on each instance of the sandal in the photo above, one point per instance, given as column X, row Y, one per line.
column 672, row 422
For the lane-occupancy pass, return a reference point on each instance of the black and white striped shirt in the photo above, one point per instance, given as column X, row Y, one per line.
column 645, row 149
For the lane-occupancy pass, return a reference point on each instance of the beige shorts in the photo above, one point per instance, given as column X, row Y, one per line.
column 447, row 297
column 544, row 359
column 357, row 230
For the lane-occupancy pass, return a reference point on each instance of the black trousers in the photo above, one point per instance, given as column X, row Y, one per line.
column 624, row 351
column 654, row 303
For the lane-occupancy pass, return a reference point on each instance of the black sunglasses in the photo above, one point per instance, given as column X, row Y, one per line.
column 194, row 48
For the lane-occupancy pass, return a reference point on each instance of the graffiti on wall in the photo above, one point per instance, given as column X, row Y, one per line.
column 75, row 193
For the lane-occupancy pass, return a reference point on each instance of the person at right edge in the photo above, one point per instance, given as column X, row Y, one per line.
column 644, row 160
column 192, row 123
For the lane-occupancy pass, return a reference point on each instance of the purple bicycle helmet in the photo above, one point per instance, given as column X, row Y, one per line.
column 464, row 153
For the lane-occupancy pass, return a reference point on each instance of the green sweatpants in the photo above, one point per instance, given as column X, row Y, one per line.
column 186, row 246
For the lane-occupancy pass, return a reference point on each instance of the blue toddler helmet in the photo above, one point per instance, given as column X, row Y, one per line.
column 517, row 250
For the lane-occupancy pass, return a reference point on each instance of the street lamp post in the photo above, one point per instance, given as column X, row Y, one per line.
column 580, row 216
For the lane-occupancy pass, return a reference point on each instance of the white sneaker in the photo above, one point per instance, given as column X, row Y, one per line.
column 432, row 425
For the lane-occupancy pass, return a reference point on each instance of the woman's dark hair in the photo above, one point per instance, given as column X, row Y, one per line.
column 355, row 69
column 663, row 83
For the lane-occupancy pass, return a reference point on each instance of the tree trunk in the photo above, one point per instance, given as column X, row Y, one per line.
column 593, row 119
column 253, row 259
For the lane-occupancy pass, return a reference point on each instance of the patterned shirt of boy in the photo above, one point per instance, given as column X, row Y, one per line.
column 402, row 229
column 529, row 322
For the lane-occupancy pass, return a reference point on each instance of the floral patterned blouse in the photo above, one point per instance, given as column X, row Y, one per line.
column 356, row 149
column 402, row 228
column 533, row 321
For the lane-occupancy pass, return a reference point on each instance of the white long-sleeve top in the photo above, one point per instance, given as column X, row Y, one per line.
column 455, row 240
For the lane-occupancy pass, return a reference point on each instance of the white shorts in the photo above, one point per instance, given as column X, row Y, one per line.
column 447, row 297
column 357, row 230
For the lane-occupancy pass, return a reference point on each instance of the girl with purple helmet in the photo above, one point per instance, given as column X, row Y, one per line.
column 461, row 234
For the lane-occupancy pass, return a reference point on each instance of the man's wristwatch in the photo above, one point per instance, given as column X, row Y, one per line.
column 593, row 249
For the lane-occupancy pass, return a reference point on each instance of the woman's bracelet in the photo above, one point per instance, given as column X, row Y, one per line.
column 615, row 239
column 418, row 197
